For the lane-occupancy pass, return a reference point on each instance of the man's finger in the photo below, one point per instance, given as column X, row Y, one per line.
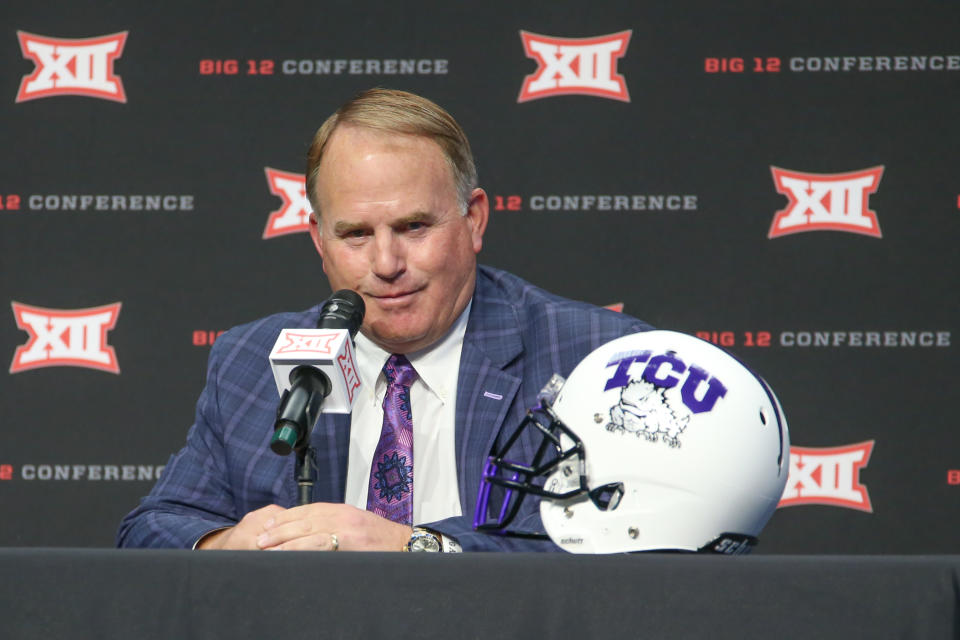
column 314, row 542
column 279, row 533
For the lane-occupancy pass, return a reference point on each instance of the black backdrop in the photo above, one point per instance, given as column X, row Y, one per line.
column 854, row 331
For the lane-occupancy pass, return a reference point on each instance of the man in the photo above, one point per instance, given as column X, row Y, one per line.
column 399, row 219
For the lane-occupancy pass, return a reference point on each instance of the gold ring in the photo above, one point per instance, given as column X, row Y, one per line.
column 334, row 542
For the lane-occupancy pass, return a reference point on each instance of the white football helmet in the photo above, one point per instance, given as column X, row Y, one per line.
column 656, row 441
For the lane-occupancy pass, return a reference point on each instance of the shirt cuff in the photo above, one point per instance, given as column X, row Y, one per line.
column 200, row 539
column 449, row 545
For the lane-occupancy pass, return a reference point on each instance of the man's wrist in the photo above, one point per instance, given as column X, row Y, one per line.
column 210, row 538
column 428, row 540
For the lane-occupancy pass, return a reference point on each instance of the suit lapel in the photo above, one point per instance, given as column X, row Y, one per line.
column 486, row 389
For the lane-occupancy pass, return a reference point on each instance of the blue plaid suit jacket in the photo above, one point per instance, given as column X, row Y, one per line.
column 517, row 336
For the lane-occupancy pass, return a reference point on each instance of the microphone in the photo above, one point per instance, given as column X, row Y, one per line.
column 315, row 370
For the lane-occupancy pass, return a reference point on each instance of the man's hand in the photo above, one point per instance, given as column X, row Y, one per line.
column 242, row 535
column 313, row 527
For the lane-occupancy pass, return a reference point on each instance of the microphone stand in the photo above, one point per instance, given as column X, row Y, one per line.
column 301, row 405
column 305, row 473
column 296, row 416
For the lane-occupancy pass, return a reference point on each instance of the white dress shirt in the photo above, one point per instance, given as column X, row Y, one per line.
column 433, row 403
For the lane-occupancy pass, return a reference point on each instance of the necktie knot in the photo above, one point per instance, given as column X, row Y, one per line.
column 398, row 370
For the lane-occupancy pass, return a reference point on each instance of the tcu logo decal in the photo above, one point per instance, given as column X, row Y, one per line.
column 294, row 214
column 575, row 66
column 72, row 67
column 828, row 476
column 308, row 343
column 65, row 338
column 645, row 410
column 664, row 371
column 826, row 202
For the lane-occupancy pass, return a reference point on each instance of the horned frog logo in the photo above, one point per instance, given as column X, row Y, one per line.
column 645, row 411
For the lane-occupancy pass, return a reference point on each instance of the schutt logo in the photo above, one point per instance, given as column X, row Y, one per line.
column 575, row 66
column 65, row 338
column 826, row 202
column 72, row 67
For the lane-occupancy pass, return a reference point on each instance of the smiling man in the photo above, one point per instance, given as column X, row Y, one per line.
column 392, row 228
column 449, row 353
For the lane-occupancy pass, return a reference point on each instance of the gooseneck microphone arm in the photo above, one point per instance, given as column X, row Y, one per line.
column 301, row 405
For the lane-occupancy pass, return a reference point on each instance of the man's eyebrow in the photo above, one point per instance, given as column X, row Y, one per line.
column 342, row 228
column 416, row 216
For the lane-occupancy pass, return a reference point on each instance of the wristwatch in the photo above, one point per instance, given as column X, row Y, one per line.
column 424, row 540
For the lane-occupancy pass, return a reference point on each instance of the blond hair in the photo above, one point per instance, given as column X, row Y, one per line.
column 404, row 113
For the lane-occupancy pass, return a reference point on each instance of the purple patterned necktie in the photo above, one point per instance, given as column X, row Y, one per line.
column 390, row 492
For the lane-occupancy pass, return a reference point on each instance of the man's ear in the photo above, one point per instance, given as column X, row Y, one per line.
column 315, row 235
column 478, row 214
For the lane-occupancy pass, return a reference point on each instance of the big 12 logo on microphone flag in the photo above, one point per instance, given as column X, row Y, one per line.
column 330, row 350
column 575, row 66
column 65, row 337
column 72, row 67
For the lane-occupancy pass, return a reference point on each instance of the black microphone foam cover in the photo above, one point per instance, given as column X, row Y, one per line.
column 343, row 310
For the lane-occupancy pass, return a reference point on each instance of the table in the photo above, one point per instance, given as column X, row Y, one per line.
column 108, row 593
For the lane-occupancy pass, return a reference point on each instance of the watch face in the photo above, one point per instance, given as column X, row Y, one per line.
column 424, row 542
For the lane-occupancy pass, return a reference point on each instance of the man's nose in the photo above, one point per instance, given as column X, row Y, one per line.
column 387, row 261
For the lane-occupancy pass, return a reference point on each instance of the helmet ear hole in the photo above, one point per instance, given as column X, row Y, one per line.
column 763, row 417
column 607, row 497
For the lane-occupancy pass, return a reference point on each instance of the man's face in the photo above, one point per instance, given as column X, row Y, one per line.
column 391, row 229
